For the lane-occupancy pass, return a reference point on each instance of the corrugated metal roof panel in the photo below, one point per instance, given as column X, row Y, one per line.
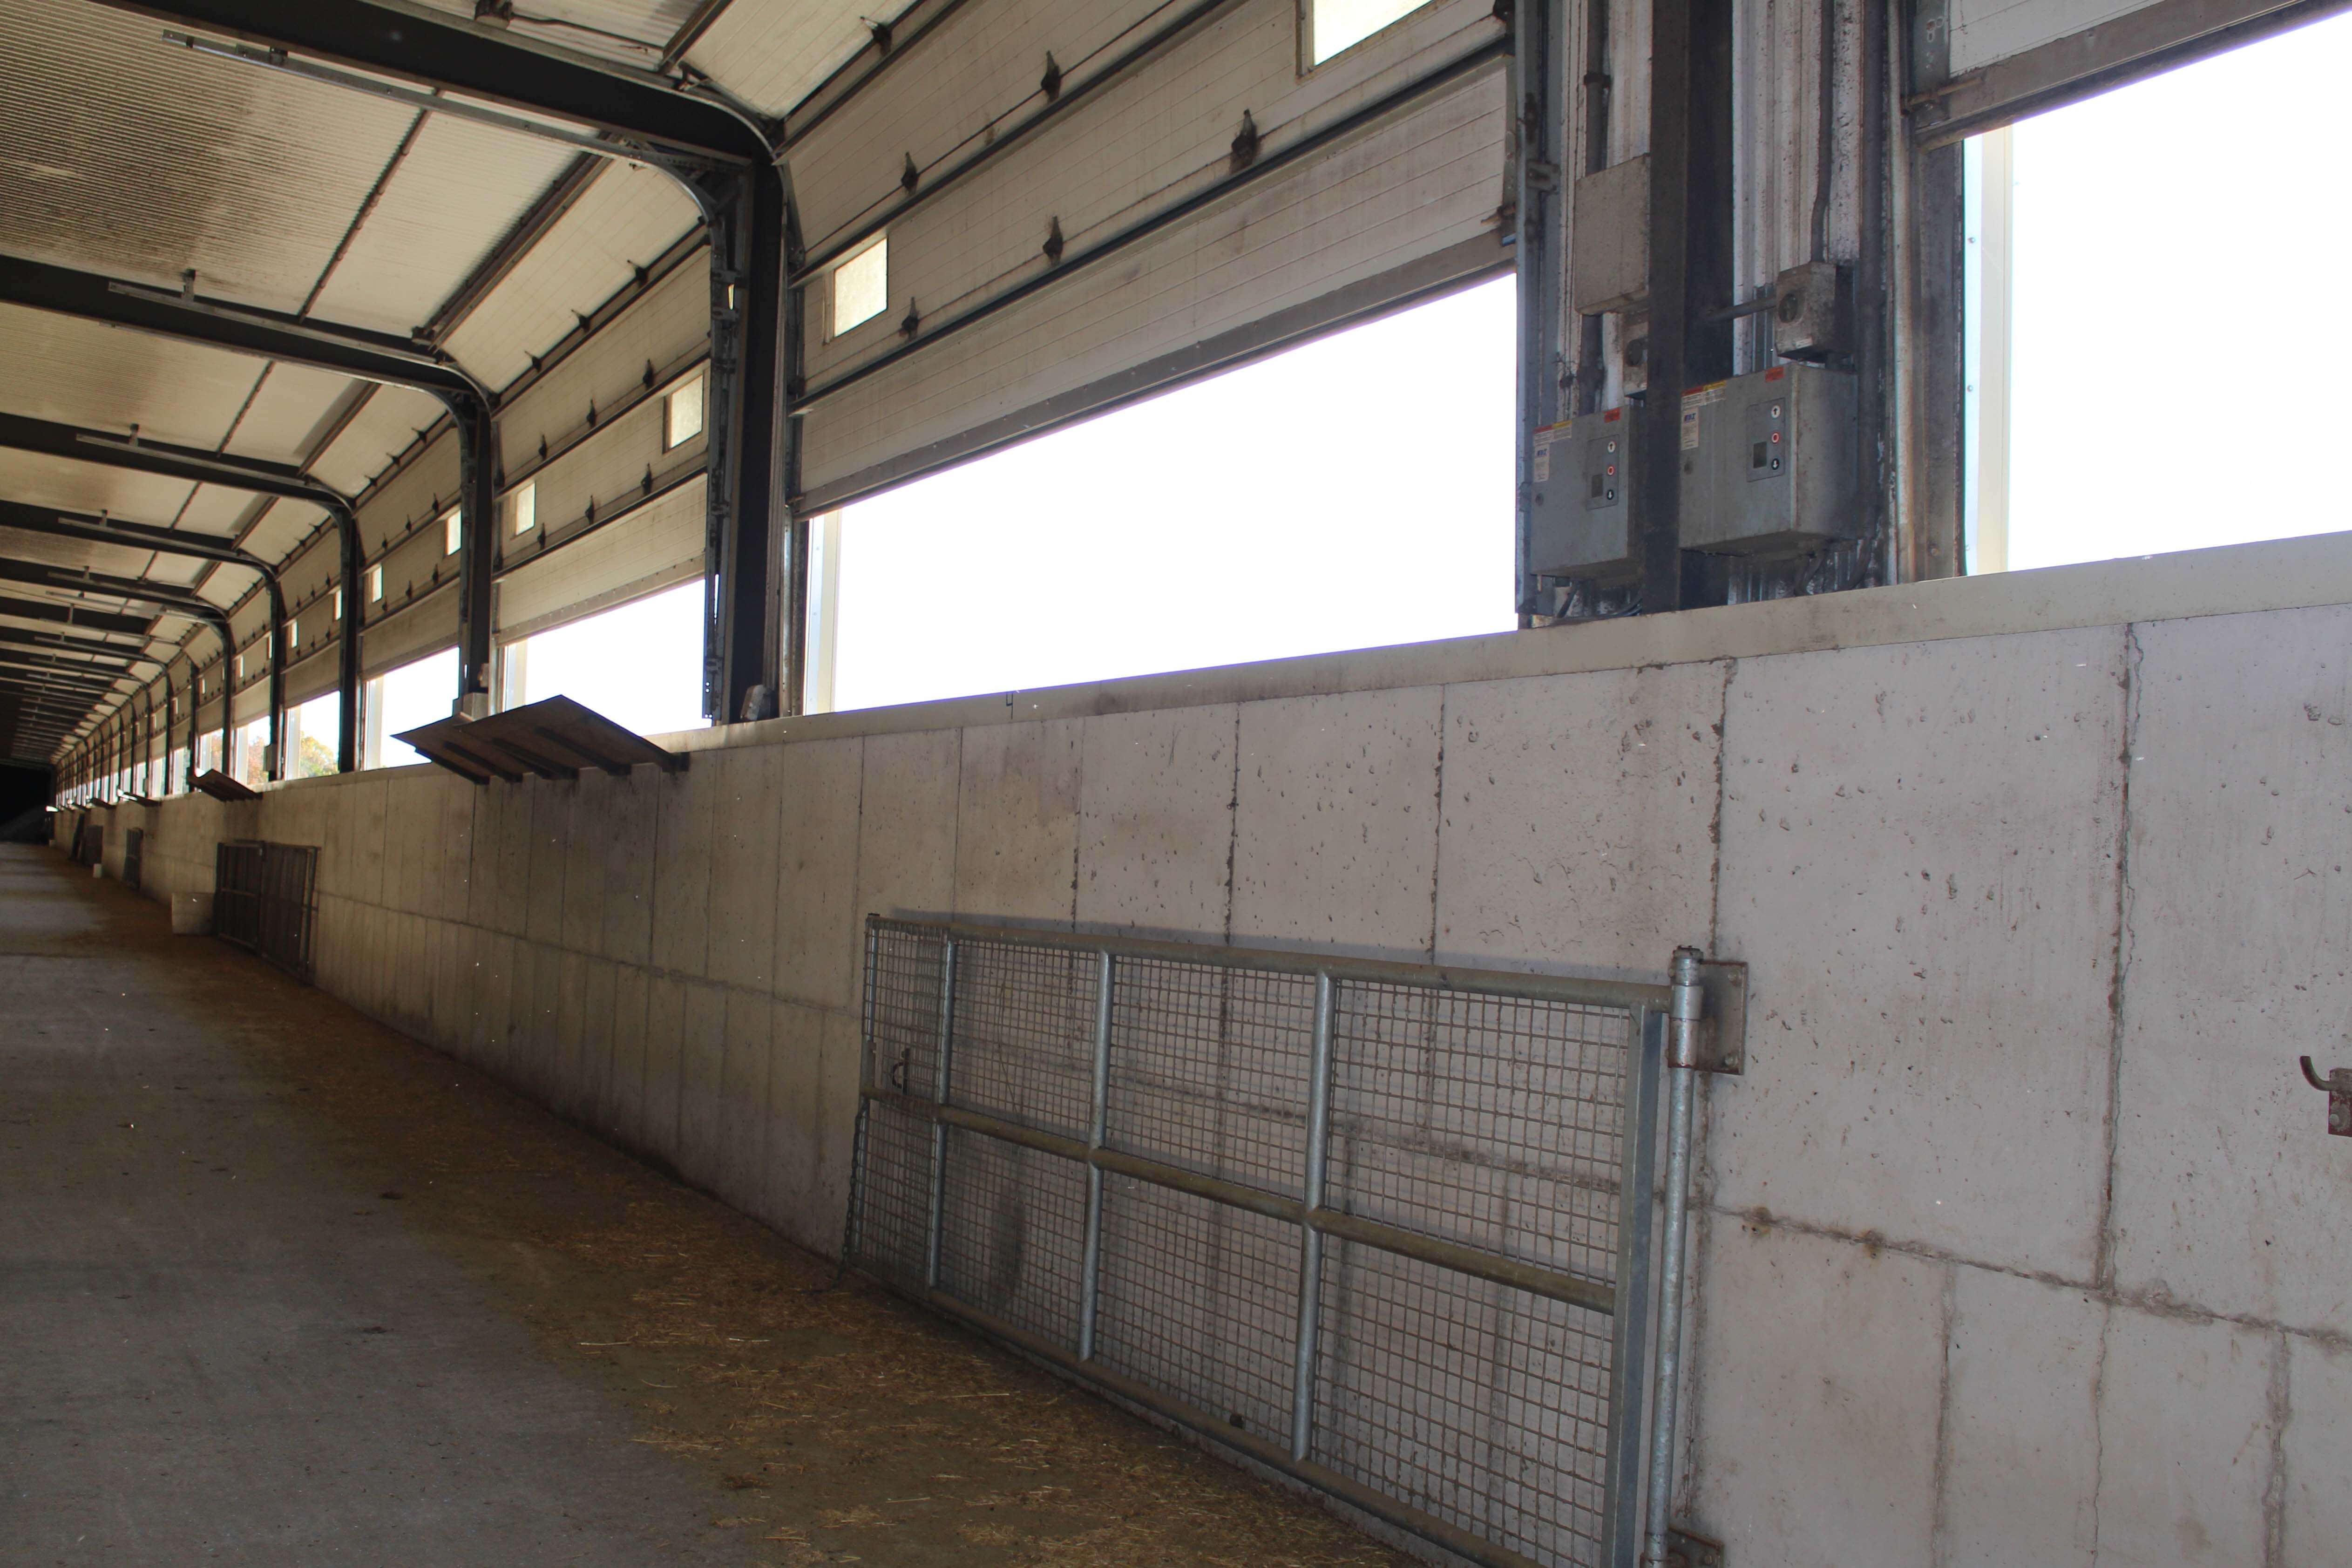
column 774, row 53
column 105, row 378
column 456, row 194
column 121, row 154
column 629, row 216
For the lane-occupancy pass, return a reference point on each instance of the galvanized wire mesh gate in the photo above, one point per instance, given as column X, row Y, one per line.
column 1385, row 1227
column 265, row 898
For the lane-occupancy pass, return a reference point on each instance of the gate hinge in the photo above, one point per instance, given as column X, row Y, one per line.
column 1685, row 1550
column 1723, row 1024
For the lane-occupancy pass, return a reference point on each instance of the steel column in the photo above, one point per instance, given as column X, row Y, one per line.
column 939, row 1127
column 1310, row 1236
column 1537, row 30
column 1097, row 1125
column 1681, row 1061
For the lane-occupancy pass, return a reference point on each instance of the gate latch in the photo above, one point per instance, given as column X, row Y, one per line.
column 2337, row 1085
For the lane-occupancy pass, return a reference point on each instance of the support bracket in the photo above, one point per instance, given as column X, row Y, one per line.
column 1685, row 1550
column 1722, row 1027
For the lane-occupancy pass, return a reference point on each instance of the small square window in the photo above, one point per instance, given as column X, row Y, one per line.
column 375, row 583
column 682, row 419
column 861, row 286
column 453, row 532
column 526, row 508
column 1333, row 25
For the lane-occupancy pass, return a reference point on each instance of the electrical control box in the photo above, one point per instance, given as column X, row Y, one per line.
column 1768, row 462
column 1580, row 524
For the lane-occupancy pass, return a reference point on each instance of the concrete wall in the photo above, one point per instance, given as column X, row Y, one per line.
column 2021, row 1241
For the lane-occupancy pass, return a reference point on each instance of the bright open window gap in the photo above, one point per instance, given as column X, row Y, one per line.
column 2112, row 245
column 1351, row 493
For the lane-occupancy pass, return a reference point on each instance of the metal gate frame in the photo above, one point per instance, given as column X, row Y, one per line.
column 264, row 899
column 1693, row 1022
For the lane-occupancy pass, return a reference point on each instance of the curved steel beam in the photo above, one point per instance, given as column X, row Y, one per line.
column 743, row 194
column 348, row 350
column 165, row 542
column 66, row 579
column 198, row 467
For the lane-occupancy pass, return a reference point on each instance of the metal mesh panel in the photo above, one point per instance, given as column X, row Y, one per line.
column 1013, row 1234
column 1483, row 1405
column 1202, row 1301
column 1493, row 1121
column 891, row 1219
column 264, row 897
column 1024, row 1032
column 1467, row 1221
column 1209, row 1068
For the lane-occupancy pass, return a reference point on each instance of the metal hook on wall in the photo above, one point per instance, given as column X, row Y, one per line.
column 2338, row 1087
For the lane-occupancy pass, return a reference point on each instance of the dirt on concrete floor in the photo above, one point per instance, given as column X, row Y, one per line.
column 836, row 1423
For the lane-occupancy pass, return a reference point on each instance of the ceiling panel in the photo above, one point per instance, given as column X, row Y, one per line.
column 120, row 154
column 289, row 412
column 280, row 530
column 378, row 434
column 622, row 221
column 454, row 196
column 219, row 511
column 774, row 53
column 106, row 378
column 36, row 481
column 630, row 31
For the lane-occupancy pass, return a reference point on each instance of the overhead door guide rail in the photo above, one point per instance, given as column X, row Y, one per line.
column 1391, row 1230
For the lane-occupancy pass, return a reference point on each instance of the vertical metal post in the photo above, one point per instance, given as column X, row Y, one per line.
column 1541, row 107
column 940, row 1128
column 1681, row 1061
column 1629, row 1355
column 1310, row 1240
column 1090, row 1281
column 867, row 1078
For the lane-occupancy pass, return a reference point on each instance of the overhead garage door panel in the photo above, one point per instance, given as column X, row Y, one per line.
column 1427, row 180
column 657, row 546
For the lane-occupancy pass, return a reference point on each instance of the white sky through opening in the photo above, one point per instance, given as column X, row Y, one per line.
column 640, row 665
column 2180, row 263
column 1352, row 493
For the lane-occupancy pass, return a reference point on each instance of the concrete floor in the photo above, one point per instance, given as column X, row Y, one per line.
column 278, row 1285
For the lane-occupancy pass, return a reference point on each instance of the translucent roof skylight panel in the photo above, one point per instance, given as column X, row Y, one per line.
column 123, row 154
column 457, row 194
column 623, row 220
column 105, row 378
column 774, row 53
